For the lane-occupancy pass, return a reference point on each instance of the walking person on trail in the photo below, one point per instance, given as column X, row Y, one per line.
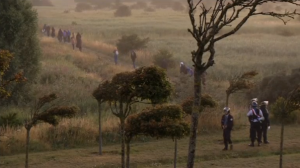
column 73, row 40
column 227, row 124
column 60, row 35
column 266, row 121
column 78, row 41
column 183, row 68
column 133, row 58
column 255, row 117
column 53, row 32
column 116, row 55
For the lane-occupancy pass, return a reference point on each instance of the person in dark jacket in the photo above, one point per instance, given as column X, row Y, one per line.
column 60, row 35
column 78, row 41
column 133, row 58
column 183, row 68
column 266, row 122
column 255, row 117
column 52, row 32
column 227, row 124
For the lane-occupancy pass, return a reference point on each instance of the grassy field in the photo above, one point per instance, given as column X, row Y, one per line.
column 159, row 153
column 264, row 44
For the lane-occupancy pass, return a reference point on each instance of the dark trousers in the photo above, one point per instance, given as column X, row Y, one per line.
column 255, row 131
column 227, row 137
column 264, row 132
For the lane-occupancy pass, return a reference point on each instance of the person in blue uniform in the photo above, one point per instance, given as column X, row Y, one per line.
column 227, row 124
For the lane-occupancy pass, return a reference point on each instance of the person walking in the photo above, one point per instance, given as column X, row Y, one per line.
column 133, row 58
column 227, row 124
column 78, row 41
column 53, row 32
column 266, row 122
column 116, row 55
column 73, row 40
column 255, row 117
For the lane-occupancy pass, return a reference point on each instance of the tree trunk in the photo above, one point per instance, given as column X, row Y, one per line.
column 281, row 144
column 127, row 154
column 227, row 99
column 123, row 142
column 100, row 130
column 194, row 118
column 175, row 153
column 27, row 146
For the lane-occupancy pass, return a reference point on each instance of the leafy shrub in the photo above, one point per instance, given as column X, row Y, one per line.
column 122, row 11
column 41, row 3
column 149, row 9
column 164, row 59
column 10, row 120
column 82, row 6
column 131, row 42
column 74, row 23
column 272, row 87
column 280, row 115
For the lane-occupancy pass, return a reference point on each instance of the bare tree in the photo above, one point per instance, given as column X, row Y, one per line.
column 224, row 13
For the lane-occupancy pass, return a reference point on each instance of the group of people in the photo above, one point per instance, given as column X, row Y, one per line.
column 258, row 117
column 64, row 36
column 132, row 55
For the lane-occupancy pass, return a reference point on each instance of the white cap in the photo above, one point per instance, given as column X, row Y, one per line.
column 254, row 99
column 181, row 63
column 227, row 109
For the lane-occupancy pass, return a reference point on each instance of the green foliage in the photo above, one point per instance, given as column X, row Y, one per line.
column 10, row 120
column 159, row 122
column 164, row 59
column 152, row 83
column 123, row 11
column 285, row 110
column 131, row 42
column 206, row 101
column 18, row 34
column 145, row 83
column 279, row 112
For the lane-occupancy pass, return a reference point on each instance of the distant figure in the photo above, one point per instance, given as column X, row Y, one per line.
column 73, row 41
column 133, row 58
column 227, row 124
column 60, row 35
column 190, row 71
column 116, row 55
column 53, row 32
column 183, row 68
column 48, row 31
column 79, row 41
column 65, row 36
column 266, row 122
column 255, row 117
column 68, row 36
column 44, row 29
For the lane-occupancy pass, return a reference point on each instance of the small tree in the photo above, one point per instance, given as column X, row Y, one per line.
column 206, row 101
column 48, row 114
column 159, row 122
column 240, row 83
column 164, row 59
column 284, row 109
column 127, row 88
column 208, row 31
column 131, row 42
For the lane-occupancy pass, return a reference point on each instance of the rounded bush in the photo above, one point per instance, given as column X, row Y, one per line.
column 123, row 11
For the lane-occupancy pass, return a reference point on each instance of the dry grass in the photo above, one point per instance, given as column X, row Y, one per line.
column 159, row 153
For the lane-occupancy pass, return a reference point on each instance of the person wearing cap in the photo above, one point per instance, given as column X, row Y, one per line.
column 255, row 117
column 183, row 68
column 227, row 124
column 266, row 122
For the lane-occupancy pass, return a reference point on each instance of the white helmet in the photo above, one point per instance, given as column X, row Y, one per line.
column 226, row 109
